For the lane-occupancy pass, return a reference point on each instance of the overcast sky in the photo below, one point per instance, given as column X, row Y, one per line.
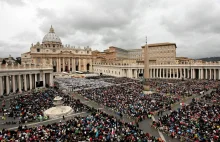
column 194, row 25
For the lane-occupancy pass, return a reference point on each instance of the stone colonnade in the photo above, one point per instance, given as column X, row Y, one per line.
column 13, row 82
column 161, row 71
column 190, row 73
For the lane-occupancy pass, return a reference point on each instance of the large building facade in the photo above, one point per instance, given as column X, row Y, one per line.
column 62, row 58
column 163, row 63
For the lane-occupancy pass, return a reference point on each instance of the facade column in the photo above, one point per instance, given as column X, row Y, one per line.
column 25, row 82
column 91, row 66
column 19, row 83
column 191, row 73
column 73, row 65
column 135, row 72
column 79, row 66
column 210, row 73
column 69, row 64
column 30, row 80
column 57, row 65
column 13, row 83
column 51, row 79
column 214, row 74
column 63, row 64
column 43, row 76
column 1, row 86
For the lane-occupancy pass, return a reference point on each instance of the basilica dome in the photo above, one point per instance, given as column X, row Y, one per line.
column 51, row 37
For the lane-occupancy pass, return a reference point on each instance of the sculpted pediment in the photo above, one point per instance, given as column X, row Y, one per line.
column 66, row 53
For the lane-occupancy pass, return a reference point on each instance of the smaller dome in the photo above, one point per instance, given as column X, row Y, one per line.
column 51, row 37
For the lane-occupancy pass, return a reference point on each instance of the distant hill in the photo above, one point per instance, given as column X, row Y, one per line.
column 210, row 59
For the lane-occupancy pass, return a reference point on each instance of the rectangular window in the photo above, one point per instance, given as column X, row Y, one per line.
column 38, row 50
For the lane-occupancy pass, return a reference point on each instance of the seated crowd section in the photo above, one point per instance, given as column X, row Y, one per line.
column 196, row 121
column 98, row 126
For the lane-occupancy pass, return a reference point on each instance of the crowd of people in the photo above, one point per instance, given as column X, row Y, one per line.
column 126, row 98
column 30, row 107
column 75, row 84
column 98, row 126
column 198, row 121
column 182, row 87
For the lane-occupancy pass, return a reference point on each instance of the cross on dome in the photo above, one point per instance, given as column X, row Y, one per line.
column 51, row 29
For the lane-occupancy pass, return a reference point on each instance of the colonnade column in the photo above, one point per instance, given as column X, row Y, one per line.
column 210, row 73
column 177, row 73
column 214, row 74
column 184, row 72
column 1, row 86
column 219, row 74
column 206, row 74
column 25, row 82
column 30, row 78
column 13, row 83
column 35, row 78
column 164, row 72
column 19, row 83
column 7, row 85
column 202, row 74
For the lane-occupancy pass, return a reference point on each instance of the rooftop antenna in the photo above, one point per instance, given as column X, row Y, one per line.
column 146, row 39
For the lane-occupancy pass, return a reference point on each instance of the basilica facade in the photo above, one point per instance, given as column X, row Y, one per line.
column 63, row 58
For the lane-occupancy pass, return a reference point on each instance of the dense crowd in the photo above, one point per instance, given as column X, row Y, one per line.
column 74, row 84
column 31, row 107
column 182, row 88
column 120, row 80
column 128, row 98
column 198, row 121
column 95, row 127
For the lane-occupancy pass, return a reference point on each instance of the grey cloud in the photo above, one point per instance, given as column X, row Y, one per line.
column 200, row 17
column 26, row 36
column 14, row 2
column 101, row 22
column 14, row 49
column 96, row 20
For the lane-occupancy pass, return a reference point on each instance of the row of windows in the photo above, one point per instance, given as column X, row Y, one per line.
column 54, row 50
column 108, row 71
